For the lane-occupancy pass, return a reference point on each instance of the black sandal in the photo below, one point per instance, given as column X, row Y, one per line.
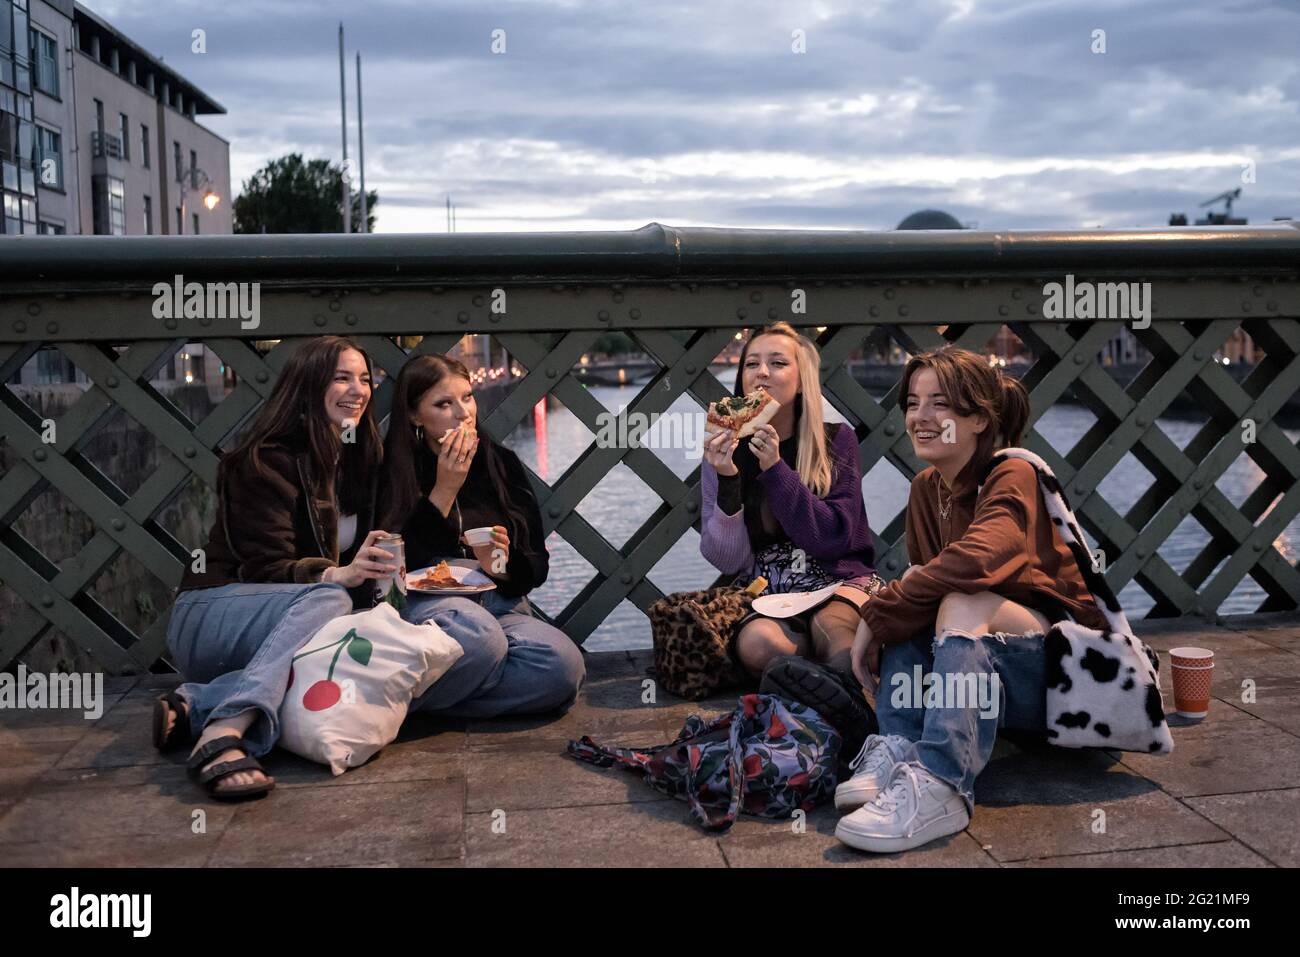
column 168, row 704
column 209, row 779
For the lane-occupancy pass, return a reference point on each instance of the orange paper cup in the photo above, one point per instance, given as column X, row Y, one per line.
column 1193, row 669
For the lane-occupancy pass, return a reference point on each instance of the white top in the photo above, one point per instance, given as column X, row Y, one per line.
column 347, row 531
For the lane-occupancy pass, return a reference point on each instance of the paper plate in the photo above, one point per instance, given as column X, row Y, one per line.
column 472, row 581
column 792, row 603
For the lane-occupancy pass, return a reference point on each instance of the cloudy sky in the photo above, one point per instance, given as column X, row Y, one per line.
column 610, row 115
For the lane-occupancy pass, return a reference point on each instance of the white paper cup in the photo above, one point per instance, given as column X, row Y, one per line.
column 479, row 536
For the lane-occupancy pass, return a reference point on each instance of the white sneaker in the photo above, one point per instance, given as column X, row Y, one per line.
column 916, row 808
column 871, row 770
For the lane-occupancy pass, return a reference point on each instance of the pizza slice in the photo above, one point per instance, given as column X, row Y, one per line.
column 741, row 413
column 468, row 430
column 439, row 576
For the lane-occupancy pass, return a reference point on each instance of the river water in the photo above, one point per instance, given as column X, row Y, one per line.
column 621, row 502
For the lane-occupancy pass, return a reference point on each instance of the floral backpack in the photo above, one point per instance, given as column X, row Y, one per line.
column 769, row 757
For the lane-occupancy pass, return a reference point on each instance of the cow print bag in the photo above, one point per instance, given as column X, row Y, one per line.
column 1103, row 687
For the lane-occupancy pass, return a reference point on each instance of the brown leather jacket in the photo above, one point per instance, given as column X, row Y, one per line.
column 282, row 527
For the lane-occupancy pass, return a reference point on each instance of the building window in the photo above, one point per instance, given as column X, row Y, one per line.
column 176, row 159
column 99, row 117
column 179, row 221
column 195, row 370
column 52, row 367
column 124, row 131
column 144, row 146
column 148, row 215
column 49, row 158
column 45, row 61
column 194, row 170
column 196, row 223
column 109, row 206
column 52, row 229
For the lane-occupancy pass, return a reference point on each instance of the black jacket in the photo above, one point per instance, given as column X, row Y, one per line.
column 430, row 536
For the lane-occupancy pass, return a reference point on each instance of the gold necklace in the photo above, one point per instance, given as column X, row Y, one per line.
column 943, row 510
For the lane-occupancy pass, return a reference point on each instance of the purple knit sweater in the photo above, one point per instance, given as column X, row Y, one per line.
column 833, row 529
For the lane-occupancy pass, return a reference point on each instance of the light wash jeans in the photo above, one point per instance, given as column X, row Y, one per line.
column 235, row 644
column 955, row 743
column 513, row 663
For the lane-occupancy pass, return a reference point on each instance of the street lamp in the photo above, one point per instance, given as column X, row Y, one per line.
column 193, row 178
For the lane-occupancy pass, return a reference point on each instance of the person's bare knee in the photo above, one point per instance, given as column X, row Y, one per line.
column 962, row 612
column 762, row 640
column 986, row 611
column 1015, row 619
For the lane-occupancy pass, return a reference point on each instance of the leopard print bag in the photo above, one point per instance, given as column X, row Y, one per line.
column 692, row 638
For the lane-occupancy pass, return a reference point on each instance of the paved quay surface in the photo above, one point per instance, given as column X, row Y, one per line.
column 95, row 793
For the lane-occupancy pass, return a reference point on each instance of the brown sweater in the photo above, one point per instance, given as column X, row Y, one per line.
column 998, row 538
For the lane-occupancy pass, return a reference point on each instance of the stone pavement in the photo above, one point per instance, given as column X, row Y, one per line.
column 81, row 793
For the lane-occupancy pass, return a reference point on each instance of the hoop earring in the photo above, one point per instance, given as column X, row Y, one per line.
column 419, row 434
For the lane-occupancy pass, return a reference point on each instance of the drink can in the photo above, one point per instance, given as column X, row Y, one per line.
column 392, row 588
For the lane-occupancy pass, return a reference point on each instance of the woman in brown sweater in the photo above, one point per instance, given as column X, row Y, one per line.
column 292, row 548
column 957, row 643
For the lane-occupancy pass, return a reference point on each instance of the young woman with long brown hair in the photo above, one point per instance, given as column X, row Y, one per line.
column 989, row 574
column 786, row 504
column 295, row 499
column 438, row 486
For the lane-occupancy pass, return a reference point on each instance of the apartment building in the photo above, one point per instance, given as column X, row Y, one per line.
column 97, row 136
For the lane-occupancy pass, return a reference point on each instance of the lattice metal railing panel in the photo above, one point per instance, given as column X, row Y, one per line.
column 681, row 325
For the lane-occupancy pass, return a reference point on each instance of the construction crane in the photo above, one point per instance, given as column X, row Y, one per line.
column 1226, row 199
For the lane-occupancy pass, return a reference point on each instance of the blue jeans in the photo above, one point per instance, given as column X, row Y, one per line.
column 513, row 663
column 235, row 644
column 955, row 735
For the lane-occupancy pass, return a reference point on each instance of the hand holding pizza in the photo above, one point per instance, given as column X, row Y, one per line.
column 718, row 450
column 766, row 446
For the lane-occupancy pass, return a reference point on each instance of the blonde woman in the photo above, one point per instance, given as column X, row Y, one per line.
column 786, row 503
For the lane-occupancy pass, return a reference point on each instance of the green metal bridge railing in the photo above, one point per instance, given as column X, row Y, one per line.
column 681, row 294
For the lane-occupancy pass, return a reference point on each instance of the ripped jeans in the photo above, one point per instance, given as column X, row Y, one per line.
column 981, row 684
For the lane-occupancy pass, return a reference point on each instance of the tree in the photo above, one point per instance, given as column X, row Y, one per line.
column 290, row 195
